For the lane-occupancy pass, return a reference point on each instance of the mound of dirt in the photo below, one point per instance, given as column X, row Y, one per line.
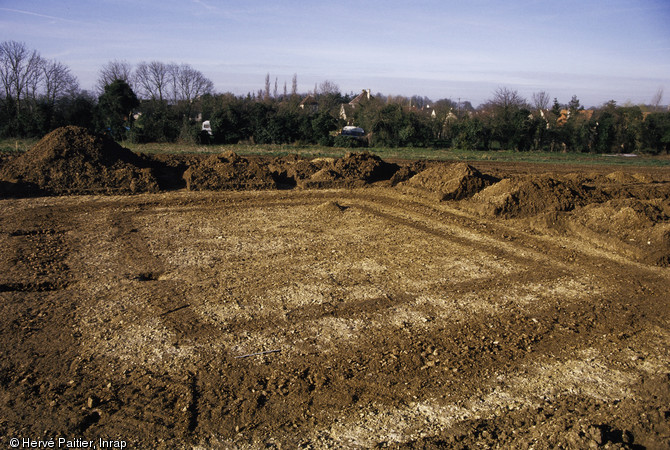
column 639, row 229
column 291, row 169
column 364, row 166
column 228, row 171
column 527, row 196
column 632, row 186
column 622, row 177
column 405, row 172
column 353, row 170
column 71, row 160
column 451, row 182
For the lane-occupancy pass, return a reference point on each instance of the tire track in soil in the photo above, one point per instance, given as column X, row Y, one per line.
column 172, row 402
column 352, row 309
column 586, row 334
column 364, row 306
column 288, row 395
column 38, row 290
column 171, row 305
column 502, row 240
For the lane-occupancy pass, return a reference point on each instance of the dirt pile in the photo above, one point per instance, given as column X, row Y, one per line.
column 71, row 160
column 625, row 213
column 228, row 171
column 407, row 171
column 364, row 166
column 291, row 169
column 331, row 207
column 638, row 229
column 231, row 171
column 622, row 177
column 620, row 184
column 527, row 196
column 451, row 182
column 353, row 170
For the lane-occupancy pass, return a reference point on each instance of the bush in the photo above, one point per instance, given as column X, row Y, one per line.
column 326, row 141
column 348, row 142
column 190, row 132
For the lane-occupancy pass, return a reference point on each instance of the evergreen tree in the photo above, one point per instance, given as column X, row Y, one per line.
column 115, row 108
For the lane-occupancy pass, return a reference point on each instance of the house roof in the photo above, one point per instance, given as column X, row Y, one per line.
column 585, row 114
column 365, row 95
column 309, row 100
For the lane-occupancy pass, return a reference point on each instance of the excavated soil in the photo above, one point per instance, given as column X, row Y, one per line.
column 451, row 182
column 353, row 170
column 527, row 310
column 228, row 172
column 72, row 160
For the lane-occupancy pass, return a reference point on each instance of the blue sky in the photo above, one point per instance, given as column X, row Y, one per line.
column 597, row 50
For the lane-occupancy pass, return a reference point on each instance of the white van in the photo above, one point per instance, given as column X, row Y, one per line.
column 206, row 126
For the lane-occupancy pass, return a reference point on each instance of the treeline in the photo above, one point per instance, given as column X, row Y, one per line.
column 159, row 102
column 507, row 121
column 39, row 95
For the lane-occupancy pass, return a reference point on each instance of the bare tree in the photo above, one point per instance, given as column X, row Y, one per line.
column 190, row 83
column 19, row 71
column 507, row 98
column 419, row 101
column 173, row 82
column 328, row 87
column 112, row 71
column 154, row 79
column 541, row 100
column 656, row 99
column 58, row 81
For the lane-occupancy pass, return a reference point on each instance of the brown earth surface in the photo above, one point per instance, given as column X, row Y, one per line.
column 530, row 309
column 72, row 160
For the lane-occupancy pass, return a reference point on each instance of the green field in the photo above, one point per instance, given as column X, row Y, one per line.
column 21, row 145
column 407, row 153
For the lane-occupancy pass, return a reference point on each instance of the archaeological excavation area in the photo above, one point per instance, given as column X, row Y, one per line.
column 251, row 302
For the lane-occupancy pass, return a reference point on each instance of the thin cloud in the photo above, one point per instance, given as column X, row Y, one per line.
column 205, row 5
column 45, row 16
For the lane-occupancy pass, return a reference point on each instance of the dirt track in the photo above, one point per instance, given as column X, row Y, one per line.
column 389, row 319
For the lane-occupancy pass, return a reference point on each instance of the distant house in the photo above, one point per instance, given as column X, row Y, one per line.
column 309, row 103
column 426, row 110
column 546, row 116
column 346, row 110
column 584, row 114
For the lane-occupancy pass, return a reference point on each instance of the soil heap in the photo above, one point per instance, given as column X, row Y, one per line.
column 407, row 171
column 228, row 171
column 639, row 229
column 626, row 213
column 632, row 185
column 291, row 169
column 526, row 196
column 353, row 170
column 72, row 160
column 451, row 182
